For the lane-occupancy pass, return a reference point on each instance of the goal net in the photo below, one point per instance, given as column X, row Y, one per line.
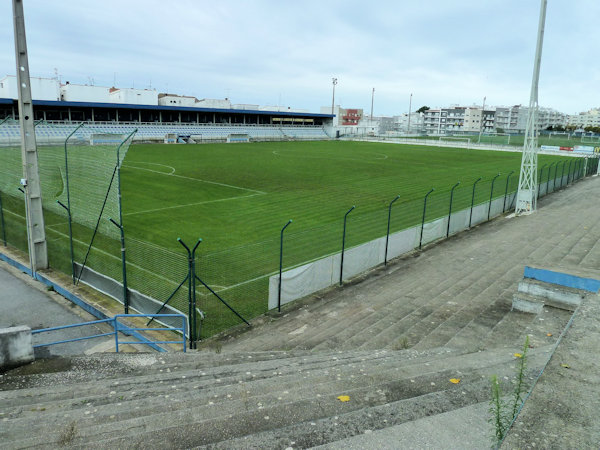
column 455, row 139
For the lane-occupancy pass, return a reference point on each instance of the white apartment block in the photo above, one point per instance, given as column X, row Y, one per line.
column 589, row 118
column 471, row 119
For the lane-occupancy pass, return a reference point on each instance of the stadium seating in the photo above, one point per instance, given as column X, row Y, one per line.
column 54, row 133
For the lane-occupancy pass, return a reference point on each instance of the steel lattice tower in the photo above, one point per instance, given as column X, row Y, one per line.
column 527, row 193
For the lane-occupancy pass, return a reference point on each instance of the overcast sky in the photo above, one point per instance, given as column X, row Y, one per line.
column 272, row 52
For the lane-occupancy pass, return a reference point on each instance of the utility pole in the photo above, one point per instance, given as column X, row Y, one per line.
column 36, row 234
column 372, row 98
column 481, row 125
column 409, row 108
column 334, row 81
column 527, row 193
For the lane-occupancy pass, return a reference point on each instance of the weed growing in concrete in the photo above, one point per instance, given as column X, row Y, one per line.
column 215, row 346
column 68, row 434
column 517, row 393
column 503, row 413
column 402, row 344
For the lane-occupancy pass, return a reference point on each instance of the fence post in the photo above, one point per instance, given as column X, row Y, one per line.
column 281, row 265
column 387, row 236
column 193, row 274
column 506, row 190
column 450, row 208
column 344, row 244
column 189, row 280
column 491, row 194
column 562, row 174
column 423, row 220
column 540, row 178
column 548, row 182
column 554, row 179
column 68, row 206
column 2, row 223
column 569, row 171
column 123, row 264
column 473, row 200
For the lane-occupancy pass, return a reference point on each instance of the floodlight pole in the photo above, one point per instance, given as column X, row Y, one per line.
column 334, row 82
column 482, row 121
column 372, row 99
column 526, row 195
column 409, row 108
column 36, row 234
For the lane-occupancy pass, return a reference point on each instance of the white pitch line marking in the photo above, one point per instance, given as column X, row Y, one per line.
column 190, row 204
column 335, row 158
column 152, row 164
column 201, row 181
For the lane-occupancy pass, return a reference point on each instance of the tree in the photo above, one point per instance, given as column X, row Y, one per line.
column 422, row 109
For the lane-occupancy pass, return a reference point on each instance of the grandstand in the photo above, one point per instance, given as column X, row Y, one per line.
column 56, row 132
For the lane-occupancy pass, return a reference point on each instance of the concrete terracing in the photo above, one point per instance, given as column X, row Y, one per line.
column 400, row 358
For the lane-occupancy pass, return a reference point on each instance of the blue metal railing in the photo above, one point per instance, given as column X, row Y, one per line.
column 119, row 327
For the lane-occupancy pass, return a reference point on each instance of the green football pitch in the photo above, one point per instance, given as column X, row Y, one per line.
column 237, row 198
column 232, row 195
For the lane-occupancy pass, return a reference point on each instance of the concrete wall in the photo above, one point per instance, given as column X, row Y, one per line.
column 41, row 88
column 81, row 93
column 134, row 96
column 177, row 100
column 16, row 347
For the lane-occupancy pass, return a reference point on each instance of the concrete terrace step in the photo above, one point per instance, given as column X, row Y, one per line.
column 207, row 409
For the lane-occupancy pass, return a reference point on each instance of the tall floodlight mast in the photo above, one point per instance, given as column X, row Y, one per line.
column 36, row 234
column 526, row 195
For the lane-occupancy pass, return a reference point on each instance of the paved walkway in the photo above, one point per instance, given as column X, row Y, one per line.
column 24, row 301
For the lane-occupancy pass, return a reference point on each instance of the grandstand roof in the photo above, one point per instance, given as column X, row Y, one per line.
column 166, row 108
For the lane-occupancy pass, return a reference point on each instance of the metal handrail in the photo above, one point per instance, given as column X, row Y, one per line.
column 117, row 326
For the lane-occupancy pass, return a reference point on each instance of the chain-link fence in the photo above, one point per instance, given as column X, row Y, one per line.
column 81, row 199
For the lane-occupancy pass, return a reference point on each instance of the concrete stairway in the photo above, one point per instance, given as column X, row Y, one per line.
column 248, row 400
column 533, row 295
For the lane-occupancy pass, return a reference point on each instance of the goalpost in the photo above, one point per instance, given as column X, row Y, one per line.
column 455, row 138
column 560, row 133
column 590, row 139
column 496, row 138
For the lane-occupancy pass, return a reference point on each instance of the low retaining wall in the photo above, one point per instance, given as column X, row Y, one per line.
column 16, row 347
column 322, row 273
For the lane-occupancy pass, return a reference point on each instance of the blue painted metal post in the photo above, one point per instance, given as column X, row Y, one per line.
column 344, row 245
column 281, row 265
column 506, row 190
column 423, row 220
column 473, row 200
column 387, row 236
column 116, row 327
column 450, row 208
column 491, row 195
column 540, row 178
